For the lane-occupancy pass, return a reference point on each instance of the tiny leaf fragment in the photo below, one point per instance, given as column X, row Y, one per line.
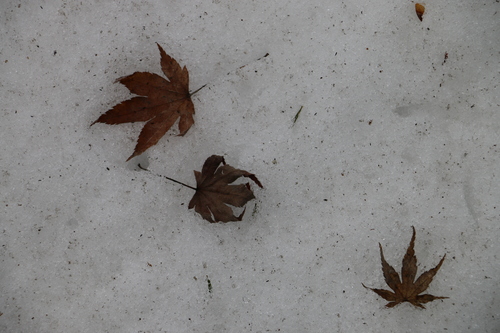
column 420, row 10
column 297, row 115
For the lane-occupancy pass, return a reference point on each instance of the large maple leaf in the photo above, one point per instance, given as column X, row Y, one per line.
column 408, row 289
column 160, row 103
column 213, row 192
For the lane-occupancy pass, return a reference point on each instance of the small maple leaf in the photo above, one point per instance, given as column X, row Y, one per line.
column 160, row 103
column 213, row 192
column 408, row 290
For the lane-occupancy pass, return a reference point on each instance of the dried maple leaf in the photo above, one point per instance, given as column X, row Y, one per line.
column 160, row 104
column 213, row 192
column 408, row 289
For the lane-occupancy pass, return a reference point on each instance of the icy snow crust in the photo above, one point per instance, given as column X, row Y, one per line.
column 390, row 135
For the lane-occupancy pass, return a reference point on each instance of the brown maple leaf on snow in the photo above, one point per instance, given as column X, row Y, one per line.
column 160, row 103
column 407, row 289
column 214, row 192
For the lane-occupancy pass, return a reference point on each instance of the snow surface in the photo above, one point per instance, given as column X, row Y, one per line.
column 390, row 135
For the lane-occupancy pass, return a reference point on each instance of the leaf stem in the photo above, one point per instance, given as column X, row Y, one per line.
column 203, row 86
column 175, row 181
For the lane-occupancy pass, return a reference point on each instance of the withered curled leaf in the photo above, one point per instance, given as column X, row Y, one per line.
column 407, row 289
column 160, row 103
column 214, row 192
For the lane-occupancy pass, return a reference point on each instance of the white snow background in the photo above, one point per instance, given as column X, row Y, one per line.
column 390, row 135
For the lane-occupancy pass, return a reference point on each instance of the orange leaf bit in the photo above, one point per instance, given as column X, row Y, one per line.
column 420, row 9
